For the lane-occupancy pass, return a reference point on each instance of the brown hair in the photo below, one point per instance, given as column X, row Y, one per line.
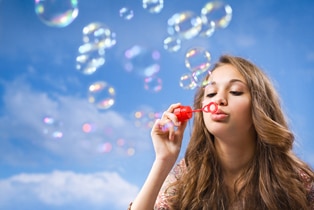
column 272, row 179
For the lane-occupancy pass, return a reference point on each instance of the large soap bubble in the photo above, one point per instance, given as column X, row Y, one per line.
column 97, row 37
column 56, row 13
column 185, row 25
column 218, row 12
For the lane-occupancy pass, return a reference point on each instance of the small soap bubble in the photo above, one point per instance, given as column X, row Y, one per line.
column 105, row 147
column 185, row 25
column 153, row 84
column 172, row 44
column 217, row 11
column 52, row 127
column 120, row 142
column 187, row 82
column 130, row 151
column 89, row 62
column 48, row 120
column 101, row 94
column 99, row 36
column 144, row 62
column 88, row 127
column 197, row 59
column 126, row 13
column 56, row 13
column 144, row 118
column 57, row 134
column 153, row 6
column 167, row 126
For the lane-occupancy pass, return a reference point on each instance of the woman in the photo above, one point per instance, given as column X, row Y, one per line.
column 238, row 158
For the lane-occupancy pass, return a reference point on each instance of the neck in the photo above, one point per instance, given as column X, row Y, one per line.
column 235, row 154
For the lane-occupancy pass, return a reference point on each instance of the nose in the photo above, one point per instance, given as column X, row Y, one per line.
column 221, row 100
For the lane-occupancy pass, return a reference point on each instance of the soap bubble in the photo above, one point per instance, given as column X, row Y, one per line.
column 144, row 62
column 88, row 127
column 217, row 11
column 197, row 59
column 153, row 84
column 105, row 147
column 153, row 6
column 99, row 36
column 89, row 61
column 185, row 25
column 52, row 127
column 172, row 44
column 145, row 118
column 187, row 81
column 130, row 151
column 126, row 13
column 56, row 13
column 101, row 94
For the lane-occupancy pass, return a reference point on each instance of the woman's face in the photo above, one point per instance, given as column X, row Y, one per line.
column 229, row 90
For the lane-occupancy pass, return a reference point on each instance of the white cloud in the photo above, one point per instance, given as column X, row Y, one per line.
column 61, row 188
column 24, row 110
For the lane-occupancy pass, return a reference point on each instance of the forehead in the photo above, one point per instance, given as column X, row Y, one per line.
column 225, row 73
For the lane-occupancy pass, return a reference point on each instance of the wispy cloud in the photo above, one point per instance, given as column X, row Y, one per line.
column 25, row 109
column 60, row 188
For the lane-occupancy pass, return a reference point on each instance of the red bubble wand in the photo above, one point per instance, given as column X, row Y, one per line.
column 185, row 112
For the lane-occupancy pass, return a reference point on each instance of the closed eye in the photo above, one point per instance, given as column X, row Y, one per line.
column 236, row 93
column 210, row 95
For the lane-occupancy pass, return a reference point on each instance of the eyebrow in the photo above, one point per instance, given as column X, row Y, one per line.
column 230, row 82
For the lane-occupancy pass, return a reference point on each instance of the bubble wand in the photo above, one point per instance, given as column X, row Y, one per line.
column 185, row 112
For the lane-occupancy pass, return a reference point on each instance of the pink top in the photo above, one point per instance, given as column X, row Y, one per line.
column 161, row 202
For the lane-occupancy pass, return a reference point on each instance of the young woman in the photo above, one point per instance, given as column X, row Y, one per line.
column 239, row 157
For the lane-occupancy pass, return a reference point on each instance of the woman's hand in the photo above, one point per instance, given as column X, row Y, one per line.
column 167, row 135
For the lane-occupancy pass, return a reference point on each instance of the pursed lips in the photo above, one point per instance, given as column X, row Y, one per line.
column 219, row 115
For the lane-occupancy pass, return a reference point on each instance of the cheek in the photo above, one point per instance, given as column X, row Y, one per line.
column 244, row 112
column 207, row 120
column 205, row 102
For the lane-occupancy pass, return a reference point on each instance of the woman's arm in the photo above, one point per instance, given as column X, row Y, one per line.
column 146, row 198
column 167, row 134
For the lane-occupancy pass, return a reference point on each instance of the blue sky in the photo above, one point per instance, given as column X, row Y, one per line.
column 50, row 159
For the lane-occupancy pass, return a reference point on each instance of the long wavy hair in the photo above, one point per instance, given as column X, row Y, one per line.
column 272, row 179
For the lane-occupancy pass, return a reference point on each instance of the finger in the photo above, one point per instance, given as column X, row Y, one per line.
column 173, row 106
column 181, row 128
column 170, row 116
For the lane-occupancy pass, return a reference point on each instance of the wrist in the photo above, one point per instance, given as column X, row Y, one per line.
column 165, row 164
